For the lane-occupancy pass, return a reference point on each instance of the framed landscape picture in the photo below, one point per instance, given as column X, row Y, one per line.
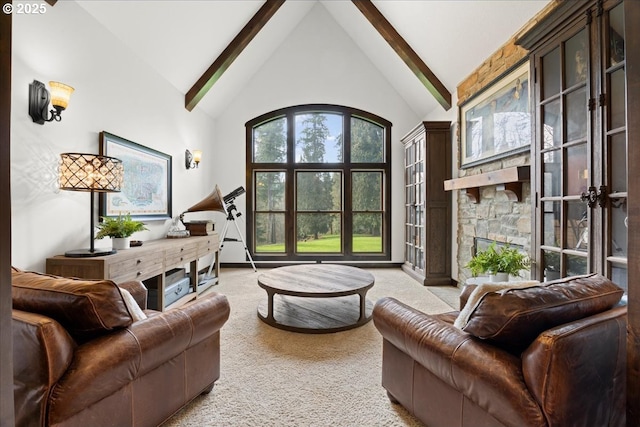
column 146, row 188
column 496, row 122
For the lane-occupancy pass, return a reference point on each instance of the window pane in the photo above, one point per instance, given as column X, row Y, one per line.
column 575, row 59
column 617, row 99
column 619, row 228
column 551, row 73
column 576, row 171
column 552, row 136
column 551, row 265
column 576, row 122
column 551, row 224
column 270, row 191
column 367, row 142
column 318, row 138
column 366, row 191
column 551, row 184
column 577, row 227
column 270, row 142
column 270, row 233
column 576, row 265
column 318, row 232
column 618, row 162
column 616, row 35
column 367, row 232
column 319, row 191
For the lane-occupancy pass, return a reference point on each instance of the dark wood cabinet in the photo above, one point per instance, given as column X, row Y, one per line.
column 427, row 228
column 586, row 182
column 580, row 157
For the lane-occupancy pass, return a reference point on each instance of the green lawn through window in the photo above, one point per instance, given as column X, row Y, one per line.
column 329, row 244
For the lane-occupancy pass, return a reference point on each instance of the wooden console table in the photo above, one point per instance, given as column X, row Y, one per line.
column 148, row 263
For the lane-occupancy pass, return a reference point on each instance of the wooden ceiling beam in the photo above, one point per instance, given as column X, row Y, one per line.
column 231, row 52
column 51, row 2
column 405, row 52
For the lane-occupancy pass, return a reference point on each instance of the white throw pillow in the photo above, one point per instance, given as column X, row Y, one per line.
column 132, row 305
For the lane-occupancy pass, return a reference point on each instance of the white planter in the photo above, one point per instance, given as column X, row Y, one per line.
column 499, row 277
column 121, row 242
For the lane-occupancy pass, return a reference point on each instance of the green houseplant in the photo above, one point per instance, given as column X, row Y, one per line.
column 494, row 260
column 120, row 227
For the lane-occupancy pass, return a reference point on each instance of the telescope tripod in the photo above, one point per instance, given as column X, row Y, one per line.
column 231, row 218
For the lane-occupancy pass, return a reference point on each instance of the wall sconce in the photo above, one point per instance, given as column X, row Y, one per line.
column 192, row 160
column 39, row 101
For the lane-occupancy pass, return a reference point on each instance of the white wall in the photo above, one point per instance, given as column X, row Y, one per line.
column 115, row 92
column 317, row 63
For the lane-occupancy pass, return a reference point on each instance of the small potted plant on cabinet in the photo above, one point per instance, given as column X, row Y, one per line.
column 499, row 262
column 120, row 229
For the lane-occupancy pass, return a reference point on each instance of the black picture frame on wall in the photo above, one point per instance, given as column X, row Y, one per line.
column 146, row 188
column 496, row 122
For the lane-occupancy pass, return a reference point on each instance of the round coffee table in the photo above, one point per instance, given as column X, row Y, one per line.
column 316, row 298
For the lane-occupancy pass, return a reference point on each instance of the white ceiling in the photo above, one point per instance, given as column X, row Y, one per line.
column 180, row 39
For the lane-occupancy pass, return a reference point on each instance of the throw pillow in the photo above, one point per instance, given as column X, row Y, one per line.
column 132, row 305
column 513, row 318
column 86, row 308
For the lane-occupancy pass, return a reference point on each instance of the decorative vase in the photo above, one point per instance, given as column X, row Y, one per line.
column 121, row 242
column 499, row 277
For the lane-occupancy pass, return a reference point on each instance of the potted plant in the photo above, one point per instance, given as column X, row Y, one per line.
column 119, row 228
column 499, row 262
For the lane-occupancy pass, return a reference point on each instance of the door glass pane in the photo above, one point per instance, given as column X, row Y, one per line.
column 551, row 180
column 619, row 276
column 270, row 233
column 618, row 228
column 577, row 226
column 551, row 73
column 270, row 191
column 318, row 232
column 576, row 265
column 551, row 260
column 367, row 232
column 270, row 142
column 551, row 224
column 552, row 126
column 617, row 102
column 318, row 191
column 618, row 163
column 366, row 191
column 616, row 35
column 575, row 60
column 318, row 138
column 367, row 142
column 576, row 173
column 576, row 115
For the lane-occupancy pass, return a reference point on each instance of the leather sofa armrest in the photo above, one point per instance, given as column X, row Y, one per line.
column 104, row 365
column 487, row 375
column 138, row 290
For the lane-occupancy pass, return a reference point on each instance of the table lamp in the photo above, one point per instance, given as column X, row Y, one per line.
column 92, row 173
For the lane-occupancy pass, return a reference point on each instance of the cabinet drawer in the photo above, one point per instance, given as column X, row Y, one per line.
column 208, row 246
column 177, row 259
column 137, row 268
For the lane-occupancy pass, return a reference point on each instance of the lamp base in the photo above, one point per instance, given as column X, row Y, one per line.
column 86, row 253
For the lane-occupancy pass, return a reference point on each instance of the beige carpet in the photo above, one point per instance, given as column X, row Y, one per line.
column 270, row 377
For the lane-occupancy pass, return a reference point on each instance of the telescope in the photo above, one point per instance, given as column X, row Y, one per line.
column 229, row 198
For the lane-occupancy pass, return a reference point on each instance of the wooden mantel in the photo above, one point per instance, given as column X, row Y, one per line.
column 508, row 180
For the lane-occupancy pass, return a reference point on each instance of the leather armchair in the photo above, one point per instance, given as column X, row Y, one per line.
column 570, row 374
column 134, row 375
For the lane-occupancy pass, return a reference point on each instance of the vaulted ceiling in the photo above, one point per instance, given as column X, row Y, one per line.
column 182, row 39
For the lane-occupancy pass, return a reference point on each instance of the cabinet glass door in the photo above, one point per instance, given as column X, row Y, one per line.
column 564, row 157
column 414, row 204
column 615, row 146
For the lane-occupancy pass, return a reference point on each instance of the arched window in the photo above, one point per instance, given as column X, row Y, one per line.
column 318, row 185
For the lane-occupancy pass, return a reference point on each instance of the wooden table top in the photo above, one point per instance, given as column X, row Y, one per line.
column 316, row 280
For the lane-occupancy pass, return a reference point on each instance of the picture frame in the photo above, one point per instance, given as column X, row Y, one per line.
column 146, row 190
column 496, row 122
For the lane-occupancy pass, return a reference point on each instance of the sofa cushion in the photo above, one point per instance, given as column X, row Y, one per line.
column 86, row 308
column 513, row 318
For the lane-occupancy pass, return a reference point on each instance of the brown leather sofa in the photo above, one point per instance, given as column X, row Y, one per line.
column 547, row 355
column 83, row 356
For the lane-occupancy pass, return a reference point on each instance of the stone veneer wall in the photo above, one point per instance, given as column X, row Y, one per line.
column 494, row 217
